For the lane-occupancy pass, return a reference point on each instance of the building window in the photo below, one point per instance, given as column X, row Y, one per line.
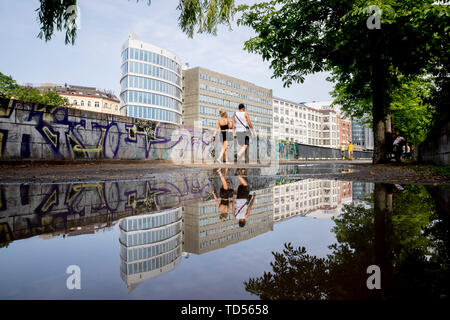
column 89, row 103
column 82, row 103
column 75, row 102
column 97, row 104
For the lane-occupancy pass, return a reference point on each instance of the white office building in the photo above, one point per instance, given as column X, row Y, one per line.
column 150, row 82
column 310, row 197
column 300, row 123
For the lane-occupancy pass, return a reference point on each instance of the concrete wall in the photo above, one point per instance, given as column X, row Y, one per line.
column 30, row 131
column 293, row 151
column 436, row 148
column 33, row 131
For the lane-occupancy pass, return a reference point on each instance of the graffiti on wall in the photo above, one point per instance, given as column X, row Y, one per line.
column 28, row 210
column 34, row 131
column 287, row 150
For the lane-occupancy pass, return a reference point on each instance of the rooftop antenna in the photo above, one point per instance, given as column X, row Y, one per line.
column 132, row 35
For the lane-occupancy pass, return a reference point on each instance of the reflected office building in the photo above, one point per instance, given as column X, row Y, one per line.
column 204, row 231
column 312, row 198
column 150, row 245
column 362, row 190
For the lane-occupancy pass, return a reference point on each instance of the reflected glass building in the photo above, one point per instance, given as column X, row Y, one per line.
column 150, row 245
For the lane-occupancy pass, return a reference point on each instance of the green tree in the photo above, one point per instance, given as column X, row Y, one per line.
column 10, row 89
column 7, row 86
column 296, row 276
column 411, row 110
column 204, row 15
column 44, row 96
column 303, row 37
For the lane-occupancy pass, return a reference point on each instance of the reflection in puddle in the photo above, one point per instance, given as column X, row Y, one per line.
column 401, row 228
column 150, row 245
column 403, row 233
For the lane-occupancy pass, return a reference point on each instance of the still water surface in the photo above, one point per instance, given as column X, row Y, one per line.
column 211, row 236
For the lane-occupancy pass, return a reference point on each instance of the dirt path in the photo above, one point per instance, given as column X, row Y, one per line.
column 341, row 170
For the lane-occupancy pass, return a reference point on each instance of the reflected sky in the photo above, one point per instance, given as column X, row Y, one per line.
column 163, row 239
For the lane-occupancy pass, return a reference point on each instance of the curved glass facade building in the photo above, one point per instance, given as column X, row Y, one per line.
column 150, row 245
column 150, row 82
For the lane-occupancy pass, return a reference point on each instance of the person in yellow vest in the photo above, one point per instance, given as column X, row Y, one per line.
column 350, row 151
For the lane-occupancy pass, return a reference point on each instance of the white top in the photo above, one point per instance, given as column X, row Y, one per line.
column 241, row 208
column 398, row 140
column 242, row 125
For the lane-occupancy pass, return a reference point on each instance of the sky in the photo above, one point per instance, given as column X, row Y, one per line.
column 94, row 60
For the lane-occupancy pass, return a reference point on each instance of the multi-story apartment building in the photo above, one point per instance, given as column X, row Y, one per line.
column 314, row 198
column 330, row 128
column 150, row 82
column 203, row 231
column 345, row 132
column 206, row 91
column 150, row 245
column 298, row 122
column 86, row 98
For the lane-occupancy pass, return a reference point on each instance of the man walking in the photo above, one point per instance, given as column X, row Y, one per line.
column 241, row 130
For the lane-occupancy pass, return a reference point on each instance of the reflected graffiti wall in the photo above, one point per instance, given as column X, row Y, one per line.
column 53, row 209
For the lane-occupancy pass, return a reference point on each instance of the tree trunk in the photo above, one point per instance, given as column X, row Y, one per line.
column 383, row 210
column 378, row 87
column 388, row 120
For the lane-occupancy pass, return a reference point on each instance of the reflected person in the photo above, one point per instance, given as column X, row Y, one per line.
column 225, row 194
column 242, row 201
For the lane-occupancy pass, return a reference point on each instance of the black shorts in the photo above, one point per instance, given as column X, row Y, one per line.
column 243, row 192
column 224, row 136
column 243, row 138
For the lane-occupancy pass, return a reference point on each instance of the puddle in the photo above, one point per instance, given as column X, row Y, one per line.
column 211, row 236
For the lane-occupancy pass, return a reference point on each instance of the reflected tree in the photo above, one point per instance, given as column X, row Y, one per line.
column 296, row 275
column 404, row 233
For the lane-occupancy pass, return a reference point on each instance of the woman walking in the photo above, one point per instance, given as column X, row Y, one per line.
column 223, row 125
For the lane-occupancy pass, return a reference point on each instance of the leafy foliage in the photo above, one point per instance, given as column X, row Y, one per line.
column 296, row 275
column 303, row 37
column 412, row 112
column 10, row 89
column 203, row 14
column 56, row 14
column 7, row 86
